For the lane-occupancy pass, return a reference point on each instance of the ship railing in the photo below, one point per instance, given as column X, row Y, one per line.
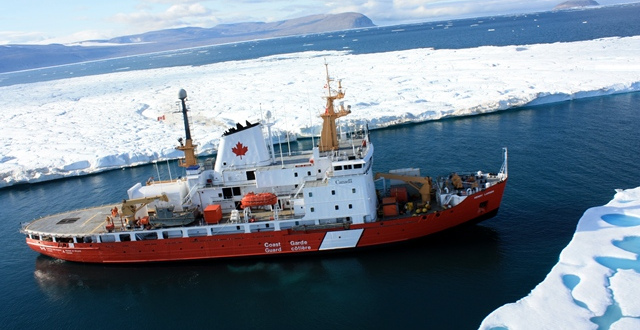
column 167, row 233
column 343, row 155
column 152, row 182
column 337, row 225
column 187, row 199
column 297, row 153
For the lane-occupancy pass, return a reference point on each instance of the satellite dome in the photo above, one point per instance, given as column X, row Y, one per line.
column 182, row 94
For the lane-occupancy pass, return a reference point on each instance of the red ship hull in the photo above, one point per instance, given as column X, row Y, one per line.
column 477, row 207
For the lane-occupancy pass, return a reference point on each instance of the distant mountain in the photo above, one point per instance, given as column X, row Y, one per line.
column 23, row 57
column 575, row 4
column 253, row 30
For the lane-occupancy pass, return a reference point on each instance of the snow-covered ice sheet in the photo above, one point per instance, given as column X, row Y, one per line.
column 87, row 124
column 596, row 282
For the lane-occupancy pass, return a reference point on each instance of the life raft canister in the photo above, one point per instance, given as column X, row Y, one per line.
column 251, row 199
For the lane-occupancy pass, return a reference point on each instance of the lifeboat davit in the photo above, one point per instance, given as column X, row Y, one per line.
column 251, row 199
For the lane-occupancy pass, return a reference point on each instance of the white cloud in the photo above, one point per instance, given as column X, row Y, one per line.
column 171, row 1
column 177, row 15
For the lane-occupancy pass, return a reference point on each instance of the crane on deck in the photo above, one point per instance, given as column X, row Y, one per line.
column 422, row 184
column 131, row 206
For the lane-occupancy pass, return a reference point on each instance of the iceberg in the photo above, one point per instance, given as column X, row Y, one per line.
column 596, row 282
column 82, row 125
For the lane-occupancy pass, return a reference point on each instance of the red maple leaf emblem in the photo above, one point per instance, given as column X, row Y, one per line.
column 240, row 150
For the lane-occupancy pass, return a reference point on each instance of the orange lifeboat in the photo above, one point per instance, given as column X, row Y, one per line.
column 251, row 199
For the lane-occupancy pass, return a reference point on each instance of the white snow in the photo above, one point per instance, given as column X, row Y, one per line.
column 81, row 125
column 596, row 282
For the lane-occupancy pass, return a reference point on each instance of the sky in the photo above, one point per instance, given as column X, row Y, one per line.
column 68, row 21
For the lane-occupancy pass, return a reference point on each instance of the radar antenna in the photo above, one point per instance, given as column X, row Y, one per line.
column 187, row 146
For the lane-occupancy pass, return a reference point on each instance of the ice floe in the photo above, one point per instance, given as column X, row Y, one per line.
column 82, row 125
column 596, row 282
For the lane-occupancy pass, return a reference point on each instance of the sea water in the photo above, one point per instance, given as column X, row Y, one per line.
column 563, row 159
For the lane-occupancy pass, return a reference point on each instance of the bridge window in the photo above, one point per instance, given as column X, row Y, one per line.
column 337, row 168
column 348, row 167
column 125, row 237
column 251, row 175
column 227, row 193
column 230, row 192
column 357, row 165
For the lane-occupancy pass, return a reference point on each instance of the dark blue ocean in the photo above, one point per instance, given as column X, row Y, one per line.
column 564, row 158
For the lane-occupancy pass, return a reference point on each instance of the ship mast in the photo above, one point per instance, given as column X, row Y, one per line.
column 188, row 148
column 329, row 135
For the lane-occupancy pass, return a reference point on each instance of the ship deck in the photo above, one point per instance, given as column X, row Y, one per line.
column 73, row 223
column 90, row 221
